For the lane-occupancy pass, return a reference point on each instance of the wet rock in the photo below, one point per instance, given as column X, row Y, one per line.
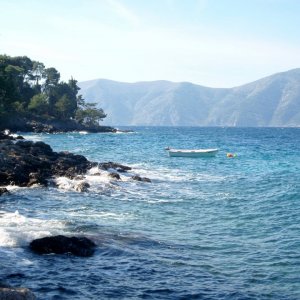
column 79, row 246
column 115, row 176
column 96, row 174
column 9, row 293
column 3, row 191
column 111, row 165
column 37, row 178
column 5, row 135
column 82, row 187
column 25, row 163
column 139, row 178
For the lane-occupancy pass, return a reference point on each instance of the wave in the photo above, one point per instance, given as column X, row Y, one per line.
column 97, row 180
column 175, row 174
column 17, row 230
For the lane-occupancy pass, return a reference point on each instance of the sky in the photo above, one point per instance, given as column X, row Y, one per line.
column 216, row 43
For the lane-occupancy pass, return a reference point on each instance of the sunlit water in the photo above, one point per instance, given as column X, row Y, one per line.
column 205, row 228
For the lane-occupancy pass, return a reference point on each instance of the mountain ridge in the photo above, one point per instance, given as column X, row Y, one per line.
column 270, row 101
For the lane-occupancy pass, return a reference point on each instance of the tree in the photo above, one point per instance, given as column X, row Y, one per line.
column 90, row 115
column 39, row 104
column 37, row 73
column 29, row 90
column 65, row 107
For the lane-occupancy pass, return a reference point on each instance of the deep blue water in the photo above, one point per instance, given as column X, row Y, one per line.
column 205, row 228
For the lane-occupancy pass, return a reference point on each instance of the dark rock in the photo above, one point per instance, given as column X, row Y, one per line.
column 37, row 178
column 24, row 143
column 116, row 166
column 4, row 136
column 25, row 163
column 82, row 186
column 96, row 174
column 19, row 137
column 3, row 191
column 139, row 178
column 115, row 176
column 79, row 246
column 9, row 293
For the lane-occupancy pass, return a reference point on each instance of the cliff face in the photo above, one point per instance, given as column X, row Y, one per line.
column 271, row 101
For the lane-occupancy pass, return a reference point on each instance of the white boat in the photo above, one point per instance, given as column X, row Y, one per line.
column 192, row 153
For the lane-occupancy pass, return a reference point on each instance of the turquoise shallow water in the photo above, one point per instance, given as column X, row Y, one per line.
column 205, row 228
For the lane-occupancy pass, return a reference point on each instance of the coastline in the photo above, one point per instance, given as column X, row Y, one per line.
column 50, row 126
column 25, row 163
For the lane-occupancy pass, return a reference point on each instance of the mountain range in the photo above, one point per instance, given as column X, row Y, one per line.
column 270, row 101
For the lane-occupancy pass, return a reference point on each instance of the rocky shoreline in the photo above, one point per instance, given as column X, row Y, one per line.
column 26, row 163
column 50, row 126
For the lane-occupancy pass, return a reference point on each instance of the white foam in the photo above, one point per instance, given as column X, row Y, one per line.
column 17, row 230
column 174, row 175
column 34, row 138
column 98, row 180
column 12, row 187
column 103, row 215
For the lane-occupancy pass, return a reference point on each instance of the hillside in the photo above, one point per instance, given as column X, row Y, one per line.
column 271, row 101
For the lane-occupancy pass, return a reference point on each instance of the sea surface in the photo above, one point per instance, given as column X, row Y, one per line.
column 205, row 228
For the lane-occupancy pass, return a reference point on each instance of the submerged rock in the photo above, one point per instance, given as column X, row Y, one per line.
column 79, row 246
column 9, row 293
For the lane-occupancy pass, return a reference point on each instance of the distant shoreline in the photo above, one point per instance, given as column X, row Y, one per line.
column 51, row 126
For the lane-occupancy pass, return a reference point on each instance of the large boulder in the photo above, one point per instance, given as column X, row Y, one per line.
column 79, row 246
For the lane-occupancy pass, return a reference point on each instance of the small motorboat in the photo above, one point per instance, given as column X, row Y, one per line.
column 192, row 153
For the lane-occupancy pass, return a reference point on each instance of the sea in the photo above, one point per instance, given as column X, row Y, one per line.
column 204, row 228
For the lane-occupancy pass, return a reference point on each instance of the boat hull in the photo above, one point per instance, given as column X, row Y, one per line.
column 193, row 153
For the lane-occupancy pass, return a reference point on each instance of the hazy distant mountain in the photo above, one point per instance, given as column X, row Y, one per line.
column 271, row 101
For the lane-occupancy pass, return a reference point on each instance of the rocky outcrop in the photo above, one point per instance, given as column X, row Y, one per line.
column 9, row 293
column 79, row 246
column 25, row 163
